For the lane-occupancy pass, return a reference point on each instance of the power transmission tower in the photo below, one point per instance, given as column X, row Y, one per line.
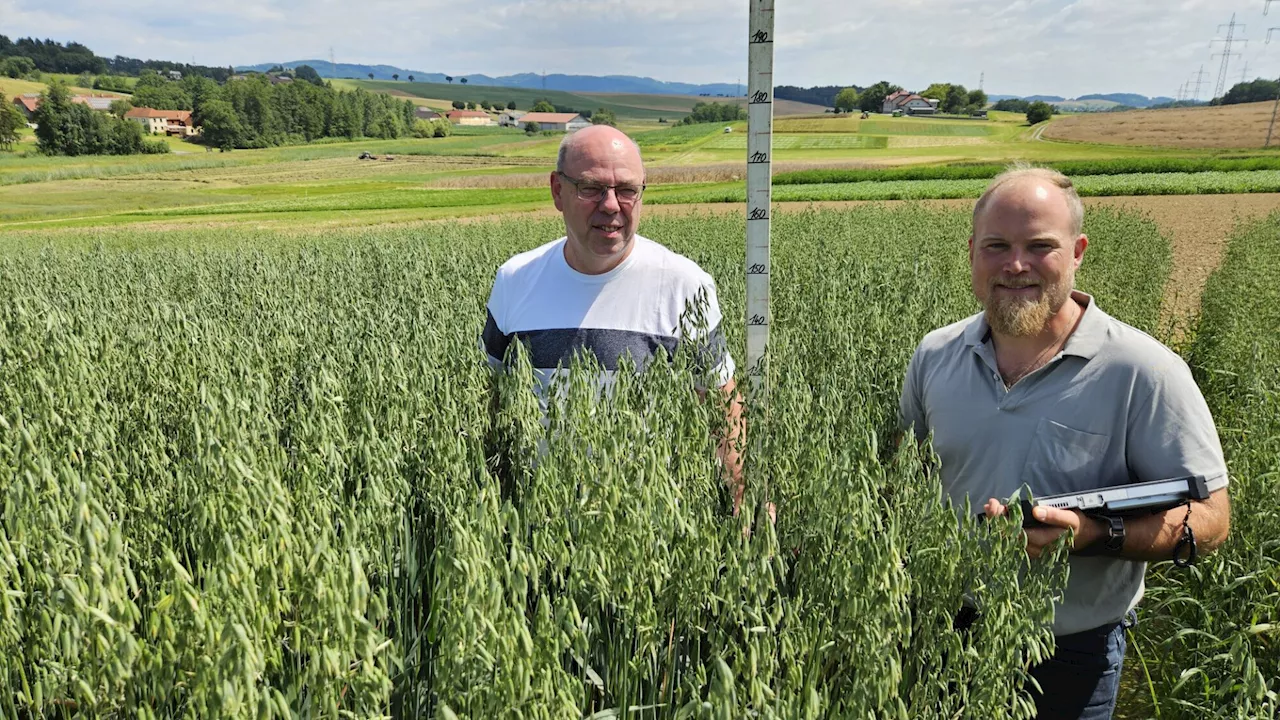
column 333, row 67
column 1199, row 83
column 982, row 80
column 1226, row 53
column 1269, row 31
column 1244, row 75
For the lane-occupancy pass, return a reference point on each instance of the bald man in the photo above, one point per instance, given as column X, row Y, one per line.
column 1044, row 389
column 604, row 289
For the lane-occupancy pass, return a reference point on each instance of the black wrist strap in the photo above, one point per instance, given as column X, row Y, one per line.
column 1184, row 553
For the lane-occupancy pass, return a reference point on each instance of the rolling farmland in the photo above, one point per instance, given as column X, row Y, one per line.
column 251, row 469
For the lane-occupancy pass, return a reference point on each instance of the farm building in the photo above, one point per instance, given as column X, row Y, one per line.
column 28, row 103
column 425, row 113
column 909, row 103
column 169, row 122
column 564, row 122
column 511, row 118
column 95, row 102
column 469, row 117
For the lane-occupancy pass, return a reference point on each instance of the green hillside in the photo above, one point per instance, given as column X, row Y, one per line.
column 524, row 98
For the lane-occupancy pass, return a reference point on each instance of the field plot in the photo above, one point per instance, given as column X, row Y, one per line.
column 1208, row 646
column 738, row 141
column 302, row 505
column 937, row 128
column 1232, row 126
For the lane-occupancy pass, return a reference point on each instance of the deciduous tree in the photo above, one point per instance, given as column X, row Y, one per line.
column 1038, row 112
column 846, row 100
column 11, row 123
column 604, row 116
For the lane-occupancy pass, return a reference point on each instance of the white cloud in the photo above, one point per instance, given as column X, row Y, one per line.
column 1063, row 47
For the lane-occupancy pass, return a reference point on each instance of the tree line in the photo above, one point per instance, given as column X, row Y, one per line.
column 74, row 58
column 714, row 112
column 249, row 113
column 1259, row 90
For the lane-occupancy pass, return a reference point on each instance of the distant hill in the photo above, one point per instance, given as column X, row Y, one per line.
column 1093, row 101
column 1130, row 99
column 530, row 81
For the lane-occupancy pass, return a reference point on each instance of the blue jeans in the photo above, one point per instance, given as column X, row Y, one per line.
column 1082, row 678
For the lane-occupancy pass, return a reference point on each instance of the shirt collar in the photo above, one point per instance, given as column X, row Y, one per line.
column 1091, row 331
column 1085, row 342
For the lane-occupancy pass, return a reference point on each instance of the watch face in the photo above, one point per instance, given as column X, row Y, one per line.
column 1115, row 533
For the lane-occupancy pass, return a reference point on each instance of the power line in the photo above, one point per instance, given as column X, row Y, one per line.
column 1199, row 76
column 1226, row 53
column 1267, row 9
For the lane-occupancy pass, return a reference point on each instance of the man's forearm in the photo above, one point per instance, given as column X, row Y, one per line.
column 730, row 445
column 1154, row 538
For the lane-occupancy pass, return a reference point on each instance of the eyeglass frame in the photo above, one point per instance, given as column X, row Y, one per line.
column 604, row 189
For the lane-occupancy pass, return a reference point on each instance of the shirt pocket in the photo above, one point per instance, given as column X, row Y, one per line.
column 1062, row 459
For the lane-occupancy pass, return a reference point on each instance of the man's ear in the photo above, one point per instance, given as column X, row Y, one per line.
column 971, row 249
column 1082, row 243
column 555, row 189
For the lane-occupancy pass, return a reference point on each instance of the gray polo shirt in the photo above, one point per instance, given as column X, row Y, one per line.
column 1114, row 407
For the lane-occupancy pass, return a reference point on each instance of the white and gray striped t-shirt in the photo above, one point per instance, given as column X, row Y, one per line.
column 636, row 308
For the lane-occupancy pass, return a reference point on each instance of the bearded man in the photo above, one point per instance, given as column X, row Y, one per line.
column 1045, row 390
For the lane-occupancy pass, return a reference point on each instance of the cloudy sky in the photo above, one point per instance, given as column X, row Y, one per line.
column 1058, row 47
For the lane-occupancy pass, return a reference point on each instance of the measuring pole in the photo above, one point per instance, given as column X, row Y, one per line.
column 759, row 193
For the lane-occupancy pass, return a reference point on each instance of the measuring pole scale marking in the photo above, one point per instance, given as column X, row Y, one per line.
column 759, row 192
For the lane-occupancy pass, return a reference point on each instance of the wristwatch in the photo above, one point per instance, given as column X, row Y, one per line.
column 1113, row 543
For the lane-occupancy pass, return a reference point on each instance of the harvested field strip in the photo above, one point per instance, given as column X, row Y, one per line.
column 1230, row 126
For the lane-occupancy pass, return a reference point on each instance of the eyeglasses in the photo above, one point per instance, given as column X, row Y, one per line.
column 594, row 192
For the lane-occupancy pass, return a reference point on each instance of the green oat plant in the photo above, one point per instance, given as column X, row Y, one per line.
column 1210, row 640
column 251, row 474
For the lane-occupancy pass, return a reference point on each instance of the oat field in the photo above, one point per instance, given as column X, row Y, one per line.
column 262, row 474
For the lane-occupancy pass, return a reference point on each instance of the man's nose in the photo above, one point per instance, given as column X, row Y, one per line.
column 1017, row 262
column 609, row 201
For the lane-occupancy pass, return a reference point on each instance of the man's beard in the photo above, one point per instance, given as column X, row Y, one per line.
column 1019, row 317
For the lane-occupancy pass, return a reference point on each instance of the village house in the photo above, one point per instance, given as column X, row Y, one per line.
column 909, row 103
column 563, row 122
column 469, row 117
column 425, row 113
column 511, row 118
column 167, row 122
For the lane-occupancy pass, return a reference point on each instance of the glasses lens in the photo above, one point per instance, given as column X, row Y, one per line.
column 628, row 194
column 590, row 192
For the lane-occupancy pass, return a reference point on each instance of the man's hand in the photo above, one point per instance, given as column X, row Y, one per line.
column 1087, row 531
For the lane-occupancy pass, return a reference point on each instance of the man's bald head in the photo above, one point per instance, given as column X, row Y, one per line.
column 1040, row 181
column 594, row 141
